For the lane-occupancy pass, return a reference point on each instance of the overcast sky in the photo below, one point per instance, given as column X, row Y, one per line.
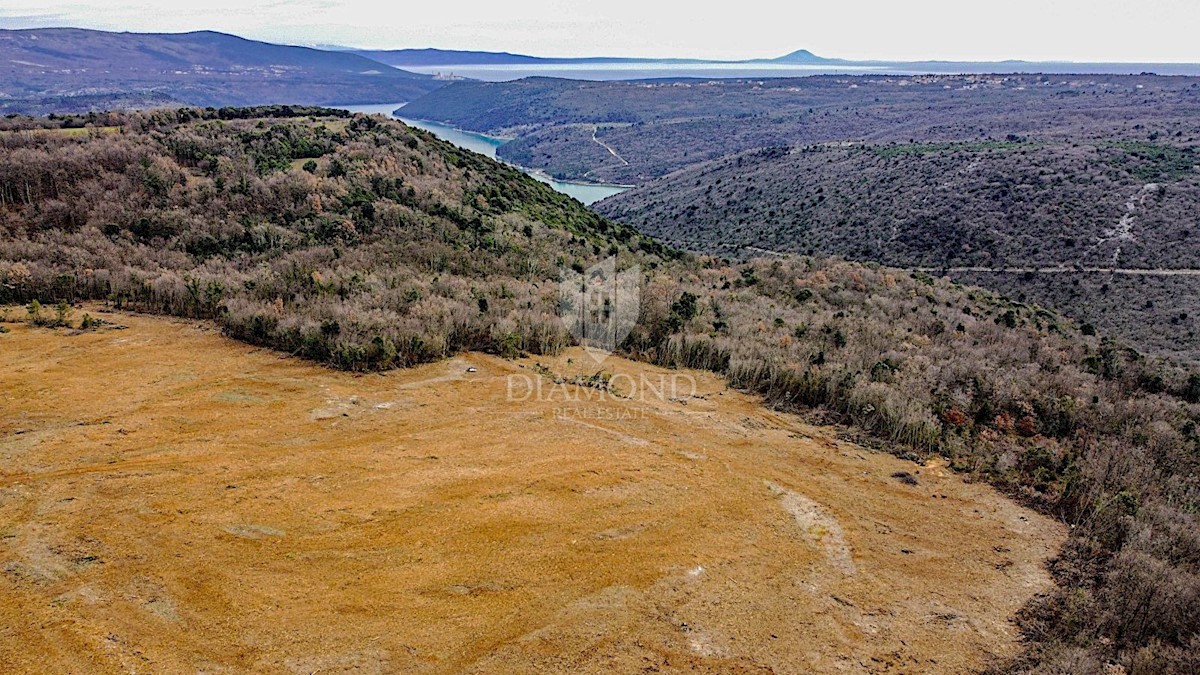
column 1072, row 30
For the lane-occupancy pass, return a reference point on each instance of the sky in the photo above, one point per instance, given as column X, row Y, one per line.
column 1063, row 30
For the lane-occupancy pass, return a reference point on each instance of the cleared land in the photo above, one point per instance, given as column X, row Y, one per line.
column 171, row 500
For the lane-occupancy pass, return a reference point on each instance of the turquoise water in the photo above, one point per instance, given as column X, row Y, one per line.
column 486, row 145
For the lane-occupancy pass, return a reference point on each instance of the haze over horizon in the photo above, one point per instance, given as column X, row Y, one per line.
column 1032, row 30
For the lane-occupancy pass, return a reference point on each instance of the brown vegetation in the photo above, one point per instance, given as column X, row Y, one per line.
column 394, row 248
column 364, row 244
column 1016, row 207
column 1084, row 428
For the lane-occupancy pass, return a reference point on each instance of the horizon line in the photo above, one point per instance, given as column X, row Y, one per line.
column 834, row 59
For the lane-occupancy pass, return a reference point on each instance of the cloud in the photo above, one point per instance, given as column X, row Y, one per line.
column 30, row 20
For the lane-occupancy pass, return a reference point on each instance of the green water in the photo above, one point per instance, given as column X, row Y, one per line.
column 486, row 145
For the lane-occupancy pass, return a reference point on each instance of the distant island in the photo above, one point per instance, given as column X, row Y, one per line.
column 453, row 57
column 443, row 58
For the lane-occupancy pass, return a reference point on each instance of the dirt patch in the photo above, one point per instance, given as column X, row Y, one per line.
column 820, row 528
column 171, row 501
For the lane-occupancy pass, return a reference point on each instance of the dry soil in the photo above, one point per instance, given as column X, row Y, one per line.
column 174, row 501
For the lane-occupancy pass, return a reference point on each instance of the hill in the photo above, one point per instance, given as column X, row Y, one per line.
column 361, row 243
column 82, row 103
column 1040, row 215
column 424, row 58
column 444, row 57
column 455, row 57
column 202, row 68
column 804, row 56
column 234, row 198
column 653, row 128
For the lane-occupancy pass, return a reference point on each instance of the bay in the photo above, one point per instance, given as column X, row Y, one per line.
column 588, row 193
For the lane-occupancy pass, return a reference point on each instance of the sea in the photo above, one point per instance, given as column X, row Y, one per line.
column 588, row 193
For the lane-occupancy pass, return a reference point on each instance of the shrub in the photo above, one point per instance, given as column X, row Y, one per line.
column 90, row 323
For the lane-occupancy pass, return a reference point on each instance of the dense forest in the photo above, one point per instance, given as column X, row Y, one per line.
column 365, row 244
column 656, row 127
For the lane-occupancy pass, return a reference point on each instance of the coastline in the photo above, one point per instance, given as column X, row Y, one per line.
column 501, row 140
column 486, row 144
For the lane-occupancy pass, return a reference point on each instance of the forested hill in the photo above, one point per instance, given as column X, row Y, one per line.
column 1033, row 213
column 632, row 132
column 990, row 204
column 66, row 69
column 355, row 241
column 365, row 244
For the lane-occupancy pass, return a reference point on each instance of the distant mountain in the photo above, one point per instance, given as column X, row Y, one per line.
column 445, row 57
column 201, row 68
column 804, row 56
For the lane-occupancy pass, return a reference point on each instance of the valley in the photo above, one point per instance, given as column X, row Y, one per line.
column 663, row 126
column 1042, row 221
column 587, row 193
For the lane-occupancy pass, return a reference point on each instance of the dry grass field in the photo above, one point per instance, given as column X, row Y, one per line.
column 175, row 501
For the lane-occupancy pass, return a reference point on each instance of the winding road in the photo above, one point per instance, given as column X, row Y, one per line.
column 607, row 147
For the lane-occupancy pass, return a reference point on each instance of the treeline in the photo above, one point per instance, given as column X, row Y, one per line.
column 364, row 244
column 15, row 121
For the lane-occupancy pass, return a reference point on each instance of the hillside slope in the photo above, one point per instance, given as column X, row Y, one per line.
column 1034, row 212
column 357, row 241
column 662, row 126
column 998, row 204
column 367, row 245
column 202, row 68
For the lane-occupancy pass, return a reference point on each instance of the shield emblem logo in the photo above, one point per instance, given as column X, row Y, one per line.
column 600, row 307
